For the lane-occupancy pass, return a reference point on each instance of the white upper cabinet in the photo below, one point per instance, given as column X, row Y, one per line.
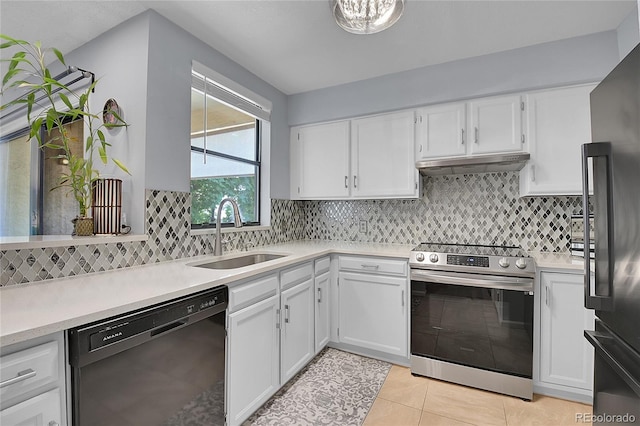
column 441, row 131
column 477, row 127
column 382, row 156
column 557, row 123
column 320, row 161
column 370, row 157
column 495, row 125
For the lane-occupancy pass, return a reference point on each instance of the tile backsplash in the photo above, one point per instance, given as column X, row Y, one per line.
column 467, row 209
column 168, row 223
column 478, row 208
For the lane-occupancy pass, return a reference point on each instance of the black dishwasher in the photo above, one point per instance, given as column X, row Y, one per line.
column 161, row 365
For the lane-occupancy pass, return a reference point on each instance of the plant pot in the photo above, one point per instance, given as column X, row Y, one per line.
column 83, row 226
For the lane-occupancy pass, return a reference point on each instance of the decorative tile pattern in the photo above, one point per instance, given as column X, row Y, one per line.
column 168, row 223
column 335, row 388
column 477, row 208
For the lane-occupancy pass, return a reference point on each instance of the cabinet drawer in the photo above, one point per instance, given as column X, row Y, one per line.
column 43, row 409
column 28, row 369
column 322, row 265
column 295, row 275
column 374, row 265
column 251, row 292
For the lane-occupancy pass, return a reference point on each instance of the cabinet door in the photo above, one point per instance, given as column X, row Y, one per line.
column 566, row 358
column 373, row 312
column 440, row 131
column 495, row 125
column 40, row 410
column 382, row 156
column 322, row 282
column 252, row 358
column 557, row 123
column 322, row 156
column 298, row 321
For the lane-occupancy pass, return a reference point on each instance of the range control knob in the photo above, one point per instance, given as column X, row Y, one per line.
column 419, row 257
column 503, row 262
column 521, row 263
column 433, row 258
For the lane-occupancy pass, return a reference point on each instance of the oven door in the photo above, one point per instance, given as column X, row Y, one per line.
column 475, row 320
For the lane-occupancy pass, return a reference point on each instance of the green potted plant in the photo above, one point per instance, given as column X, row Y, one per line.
column 49, row 104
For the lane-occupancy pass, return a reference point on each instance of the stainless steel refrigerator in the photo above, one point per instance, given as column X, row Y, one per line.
column 614, row 290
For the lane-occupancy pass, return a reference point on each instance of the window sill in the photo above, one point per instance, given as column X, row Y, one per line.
column 47, row 241
column 211, row 231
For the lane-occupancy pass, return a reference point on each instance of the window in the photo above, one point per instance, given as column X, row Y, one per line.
column 225, row 152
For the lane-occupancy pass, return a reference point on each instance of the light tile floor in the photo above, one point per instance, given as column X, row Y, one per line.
column 419, row 401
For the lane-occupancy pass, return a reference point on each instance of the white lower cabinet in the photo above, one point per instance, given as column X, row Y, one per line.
column 41, row 410
column 253, row 354
column 565, row 357
column 270, row 330
column 297, row 344
column 373, row 312
column 32, row 377
column 322, row 285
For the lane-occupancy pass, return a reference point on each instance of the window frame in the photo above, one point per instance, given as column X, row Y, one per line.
column 235, row 96
column 256, row 163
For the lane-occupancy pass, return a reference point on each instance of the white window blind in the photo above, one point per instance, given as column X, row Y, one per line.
column 229, row 92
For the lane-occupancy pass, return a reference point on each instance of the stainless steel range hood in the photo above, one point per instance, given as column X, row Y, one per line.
column 474, row 164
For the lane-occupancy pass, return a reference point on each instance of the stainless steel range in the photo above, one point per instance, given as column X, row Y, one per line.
column 472, row 316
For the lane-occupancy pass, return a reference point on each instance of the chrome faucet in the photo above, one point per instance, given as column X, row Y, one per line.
column 237, row 221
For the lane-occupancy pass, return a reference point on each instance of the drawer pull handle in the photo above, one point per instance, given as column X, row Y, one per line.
column 22, row 375
column 364, row 265
column 319, row 295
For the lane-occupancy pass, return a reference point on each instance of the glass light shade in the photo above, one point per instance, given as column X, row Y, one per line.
column 366, row 16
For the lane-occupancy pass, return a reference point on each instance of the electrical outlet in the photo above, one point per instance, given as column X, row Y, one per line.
column 363, row 226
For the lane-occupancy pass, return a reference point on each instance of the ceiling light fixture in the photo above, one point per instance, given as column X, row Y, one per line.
column 366, row 16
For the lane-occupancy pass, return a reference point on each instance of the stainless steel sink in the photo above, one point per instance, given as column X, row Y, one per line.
column 240, row 261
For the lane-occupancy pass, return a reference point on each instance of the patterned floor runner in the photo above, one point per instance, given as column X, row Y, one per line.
column 336, row 388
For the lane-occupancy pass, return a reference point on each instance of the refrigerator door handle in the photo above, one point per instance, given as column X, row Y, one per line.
column 593, row 300
column 616, row 356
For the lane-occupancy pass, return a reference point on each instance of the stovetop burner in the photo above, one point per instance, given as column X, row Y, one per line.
column 472, row 249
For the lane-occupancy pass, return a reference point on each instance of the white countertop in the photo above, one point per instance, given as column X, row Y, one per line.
column 38, row 309
column 546, row 260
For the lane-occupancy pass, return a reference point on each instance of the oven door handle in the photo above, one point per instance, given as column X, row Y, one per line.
column 473, row 280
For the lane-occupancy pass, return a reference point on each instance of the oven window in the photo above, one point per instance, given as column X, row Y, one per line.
column 485, row 328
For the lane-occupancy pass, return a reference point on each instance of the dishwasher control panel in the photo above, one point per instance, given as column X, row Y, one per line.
column 149, row 322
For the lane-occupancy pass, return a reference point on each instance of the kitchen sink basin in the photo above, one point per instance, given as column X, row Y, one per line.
column 240, row 261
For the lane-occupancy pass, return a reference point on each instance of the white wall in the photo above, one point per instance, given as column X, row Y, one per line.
column 119, row 59
column 576, row 60
column 628, row 33
column 171, row 50
column 145, row 64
